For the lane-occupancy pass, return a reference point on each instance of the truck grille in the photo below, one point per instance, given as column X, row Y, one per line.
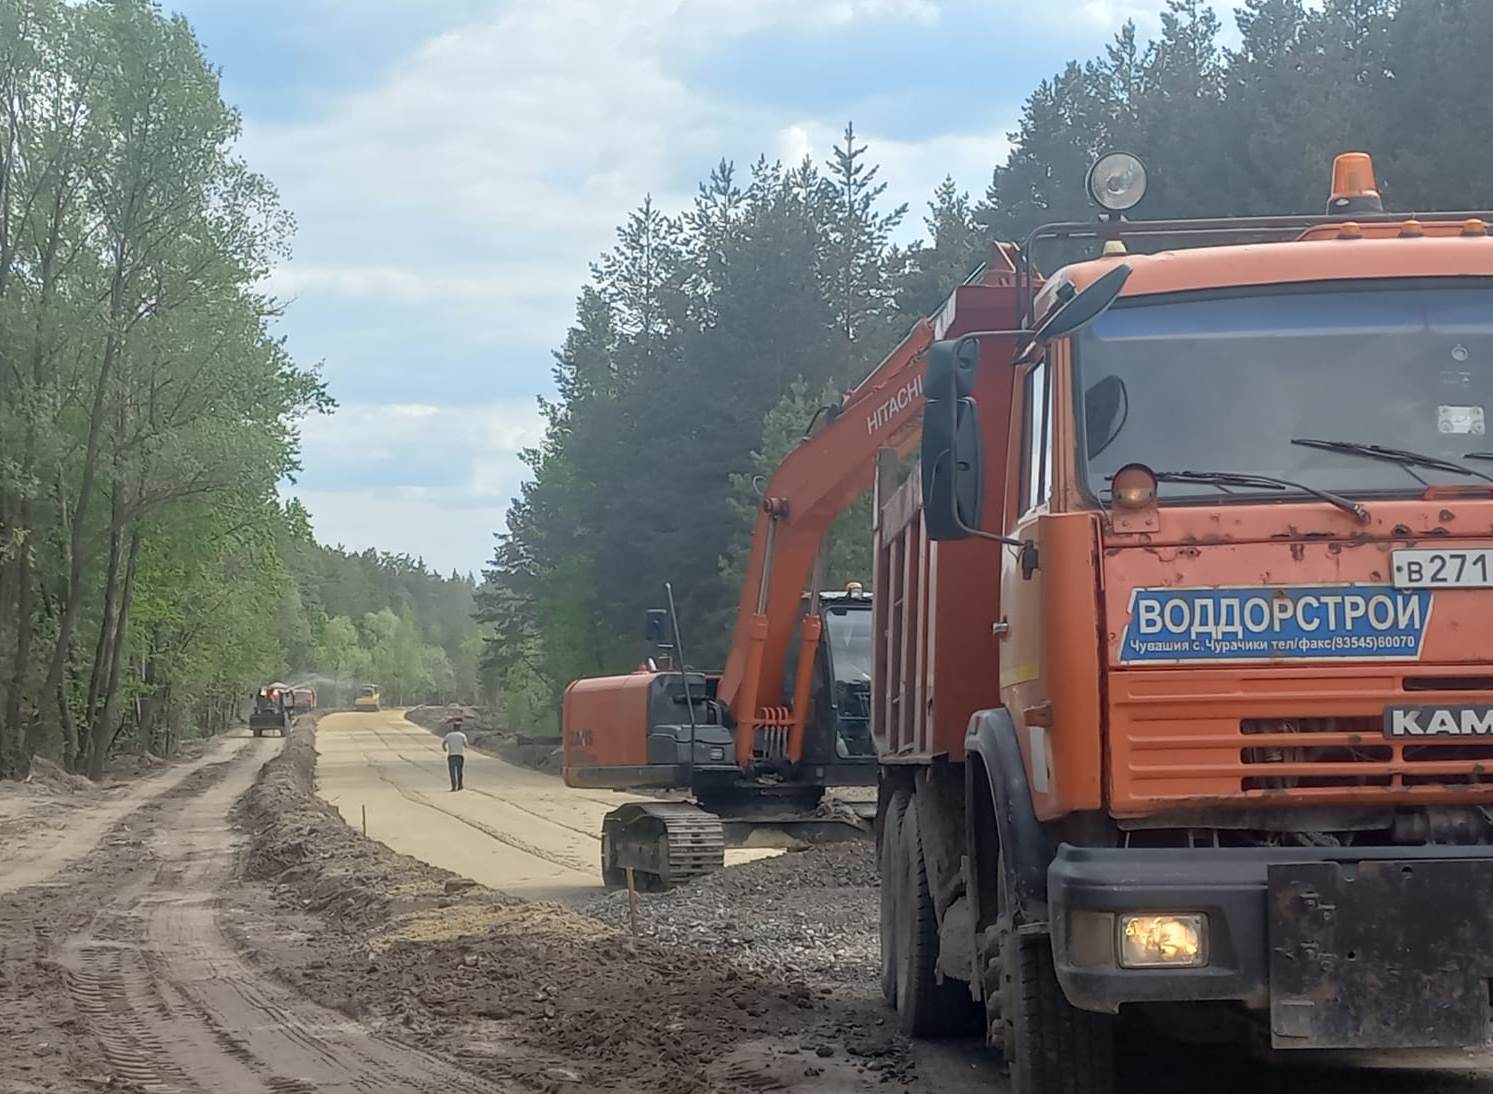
column 1335, row 741
column 1173, row 741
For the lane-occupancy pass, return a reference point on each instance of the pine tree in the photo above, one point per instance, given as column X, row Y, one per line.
column 855, row 275
column 954, row 247
column 642, row 279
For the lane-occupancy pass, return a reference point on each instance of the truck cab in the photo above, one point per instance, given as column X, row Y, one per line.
column 1238, row 759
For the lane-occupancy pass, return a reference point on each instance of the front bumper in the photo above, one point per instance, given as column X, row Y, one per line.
column 1343, row 947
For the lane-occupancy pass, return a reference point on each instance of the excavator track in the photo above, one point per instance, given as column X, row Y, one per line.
column 665, row 843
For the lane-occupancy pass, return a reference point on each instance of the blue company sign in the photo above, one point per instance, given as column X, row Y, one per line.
column 1266, row 623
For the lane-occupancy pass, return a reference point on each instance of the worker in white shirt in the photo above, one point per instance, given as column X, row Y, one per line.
column 455, row 746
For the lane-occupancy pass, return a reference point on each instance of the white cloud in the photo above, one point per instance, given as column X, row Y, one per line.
column 494, row 162
column 432, row 481
column 405, row 521
column 909, row 168
column 1111, row 15
column 409, row 286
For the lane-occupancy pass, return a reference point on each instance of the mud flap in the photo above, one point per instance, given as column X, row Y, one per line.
column 1380, row 954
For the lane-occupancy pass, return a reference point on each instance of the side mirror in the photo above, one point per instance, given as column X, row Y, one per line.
column 953, row 465
column 1083, row 308
column 656, row 628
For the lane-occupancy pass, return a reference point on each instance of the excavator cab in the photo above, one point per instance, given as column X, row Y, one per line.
column 838, row 729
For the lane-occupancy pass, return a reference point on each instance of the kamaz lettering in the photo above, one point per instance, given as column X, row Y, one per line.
column 1438, row 721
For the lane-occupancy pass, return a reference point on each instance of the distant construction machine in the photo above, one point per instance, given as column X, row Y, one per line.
column 272, row 710
column 302, row 700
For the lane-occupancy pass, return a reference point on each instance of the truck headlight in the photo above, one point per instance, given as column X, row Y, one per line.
column 1153, row 941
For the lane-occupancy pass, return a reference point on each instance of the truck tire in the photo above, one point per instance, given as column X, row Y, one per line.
column 887, row 856
column 925, row 1007
column 1052, row 1046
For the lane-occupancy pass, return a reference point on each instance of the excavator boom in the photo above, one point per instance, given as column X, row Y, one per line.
column 828, row 471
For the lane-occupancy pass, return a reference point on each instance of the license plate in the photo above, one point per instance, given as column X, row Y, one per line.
column 1468, row 569
column 1360, row 958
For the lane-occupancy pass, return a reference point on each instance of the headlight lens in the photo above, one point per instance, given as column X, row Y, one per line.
column 1163, row 941
column 1134, row 487
column 1117, row 182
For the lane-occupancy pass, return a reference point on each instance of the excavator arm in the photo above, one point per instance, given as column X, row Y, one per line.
column 828, row 471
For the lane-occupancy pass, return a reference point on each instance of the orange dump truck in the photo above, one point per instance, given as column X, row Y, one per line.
column 1183, row 684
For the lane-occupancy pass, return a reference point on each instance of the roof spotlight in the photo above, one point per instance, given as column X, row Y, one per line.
column 1117, row 181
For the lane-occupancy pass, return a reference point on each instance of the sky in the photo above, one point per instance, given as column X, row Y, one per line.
column 454, row 166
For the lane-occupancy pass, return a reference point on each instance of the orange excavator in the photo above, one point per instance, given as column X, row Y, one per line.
column 756, row 744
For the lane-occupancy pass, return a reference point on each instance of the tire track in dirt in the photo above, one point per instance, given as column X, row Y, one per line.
column 177, row 1010
column 38, row 858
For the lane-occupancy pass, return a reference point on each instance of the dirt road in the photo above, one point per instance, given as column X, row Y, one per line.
column 512, row 829
column 152, row 979
column 41, row 838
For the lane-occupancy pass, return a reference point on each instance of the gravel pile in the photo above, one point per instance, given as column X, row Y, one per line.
column 811, row 914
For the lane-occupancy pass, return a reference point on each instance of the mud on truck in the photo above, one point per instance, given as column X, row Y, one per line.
column 1184, row 680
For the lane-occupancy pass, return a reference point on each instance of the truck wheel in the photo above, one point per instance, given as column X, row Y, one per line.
column 925, row 1007
column 886, row 865
column 1051, row 1045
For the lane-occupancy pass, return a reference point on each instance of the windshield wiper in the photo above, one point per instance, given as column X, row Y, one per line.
column 1266, row 482
column 1404, row 458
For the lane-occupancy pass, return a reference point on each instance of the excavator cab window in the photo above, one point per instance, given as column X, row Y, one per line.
column 848, row 657
column 839, row 724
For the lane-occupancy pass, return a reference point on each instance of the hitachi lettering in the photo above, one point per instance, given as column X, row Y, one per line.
column 1438, row 721
column 1275, row 622
column 900, row 401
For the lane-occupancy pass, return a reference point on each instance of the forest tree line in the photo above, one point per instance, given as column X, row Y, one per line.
column 149, row 574
column 706, row 338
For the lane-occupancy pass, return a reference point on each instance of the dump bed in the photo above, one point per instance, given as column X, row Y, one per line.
column 936, row 604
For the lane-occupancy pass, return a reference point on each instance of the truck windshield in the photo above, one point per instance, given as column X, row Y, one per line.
column 1228, row 382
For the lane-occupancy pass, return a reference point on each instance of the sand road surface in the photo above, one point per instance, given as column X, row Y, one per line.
column 519, row 831
column 512, row 829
